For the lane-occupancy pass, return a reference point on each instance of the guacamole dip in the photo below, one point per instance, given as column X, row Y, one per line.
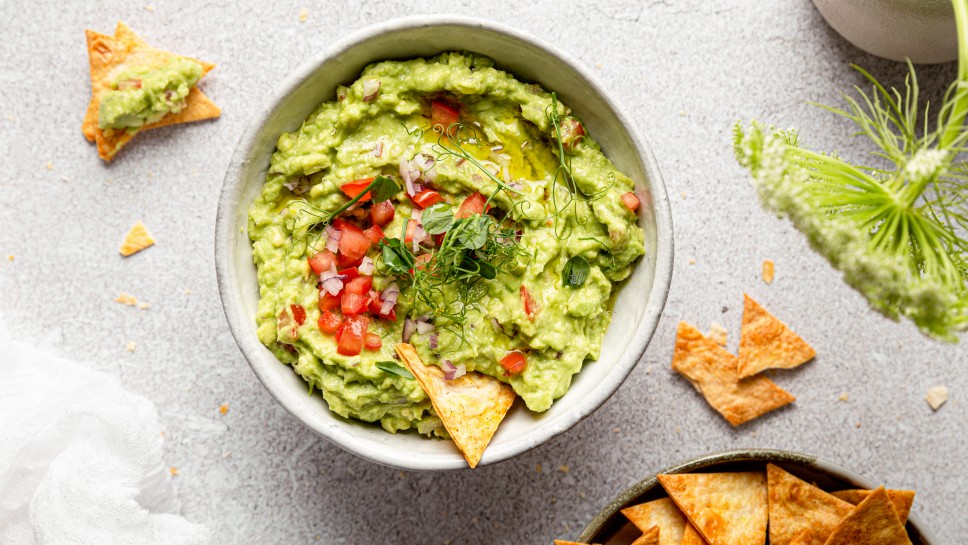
column 443, row 203
column 140, row 96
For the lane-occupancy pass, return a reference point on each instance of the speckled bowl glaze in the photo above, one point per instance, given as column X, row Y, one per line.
column 637, row 307
column 610, row 527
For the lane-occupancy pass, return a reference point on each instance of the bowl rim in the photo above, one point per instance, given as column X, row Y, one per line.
column 228, row 203
column 706, row 461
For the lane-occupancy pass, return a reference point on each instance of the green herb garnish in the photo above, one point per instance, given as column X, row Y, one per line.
column 575, row 271
column 394, row 368
column 897, row 232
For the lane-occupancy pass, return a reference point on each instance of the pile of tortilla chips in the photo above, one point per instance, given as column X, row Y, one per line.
column 745, row 508
column 109, row 55
column 732, row 384
column 471, row 406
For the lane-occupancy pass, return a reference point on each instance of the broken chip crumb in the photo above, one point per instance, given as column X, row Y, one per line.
column 150, row 7
column 537, row 467
column 564, row 468
column 683, row 193
column 65, row 179
column 130, row 346
column 223, row 408
column 136, row 240
column 50, row 165
column 126, row 299
column 692, row 261
column 173, row 470
column 936, row 397
column 768, row 271
column 844, row 397
column 10, row 257
column 303, row 15
column 718, row 333
column 143, row 306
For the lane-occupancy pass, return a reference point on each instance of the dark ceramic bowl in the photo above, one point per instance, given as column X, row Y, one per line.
column 610, row 527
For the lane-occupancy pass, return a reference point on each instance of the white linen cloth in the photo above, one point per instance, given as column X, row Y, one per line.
column 80, row 458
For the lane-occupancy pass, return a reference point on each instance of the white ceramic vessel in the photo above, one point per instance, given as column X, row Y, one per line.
column 922, row 30
column 638, row 304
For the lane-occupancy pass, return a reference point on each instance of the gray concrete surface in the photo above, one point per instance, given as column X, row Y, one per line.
column 685, row 70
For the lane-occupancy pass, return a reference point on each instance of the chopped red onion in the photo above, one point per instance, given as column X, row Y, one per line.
column 417, row 214
column 371, row 88
column 378, row 149
column 409, row 326
column 424, row 162
column 391, row 292
column 367, row 266
column 405, row 174
column 417, row 188
column 452, row 371
column 332, row 238
column 433, row 341
column 460, row 162
column 333, row 285
column 425, row 327
column 387, row 307
column 496, row 325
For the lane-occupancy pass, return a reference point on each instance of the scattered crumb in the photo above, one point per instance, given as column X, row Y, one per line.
column 194, row 172
column 130, row 346
column 936, row 397
column 649, row 368
column 718, row 334
column 65, row 179
column 10, row 257
column 599, row 66
column 581, row 494
column 126, row 299
column 303, row 15
column 692, row 261
column 150, row 7
column 50, row 165
column 151, row 174
column 753, row 433
column 537, row 467
column 616, row 430
column 475, row 520
column 844, row 397
column 226, row 454
column 858, row 425
column 188, row 291
column 316, row 537
column 677, row 429
column 683, row 113
column 768, row 271
column 564, row 468
column 136, row 240
column 143, row 306
column 683, row 193
column 401, row 474
column 223, row 409
column 173, row 470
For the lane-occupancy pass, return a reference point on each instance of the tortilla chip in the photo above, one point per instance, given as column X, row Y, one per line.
column 712, row 371
column 650, row 537
column 873, row 522
column 796, row 505
column 803, row 537
column 563, row 542
column 901, row 499
column 767, row 343
column 136, row 240
column 691, row 536
column 768, row 271
column 471, row 407
column 662, row 514
column 726, row 508
column 126, row 299
column 718, row 334
column 106, row 56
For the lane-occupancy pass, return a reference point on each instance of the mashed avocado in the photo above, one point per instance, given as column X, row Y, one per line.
column 144, row 95
column 563, row 205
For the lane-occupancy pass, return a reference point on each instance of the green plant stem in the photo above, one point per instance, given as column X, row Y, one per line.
column 956, row 118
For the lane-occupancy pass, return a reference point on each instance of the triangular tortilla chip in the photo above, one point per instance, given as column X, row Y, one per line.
column 107, row 55
column 712, row 371
column 471, row 407
column 796, row 505
column 767, row 343
column 901, row 499
column 136, row 240
column 691, row 536
column 726, row 508
column 803, row 537
column 662, row 514
column 873, row 522
column 651, row 537
column 563, row 542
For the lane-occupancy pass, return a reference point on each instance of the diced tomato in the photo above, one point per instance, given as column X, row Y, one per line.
column 298, row 313
column 514, row 362
column 374, row 234
column 411, row 227
column 353, row 244
column 439, row 239
column 284, row 322
column 354, row 188
column 443, row 114
column 631, row 201
column 352, row 304
column 349, row 273
column 327, row 301
column 530, row 306
column 473, row 204
column 381, row 213
column 360, row 285
column 376, row 305
column 372, row 341
column 347, row 262
column 421, row 261
column 342, row 225
column 329, row 323
column 351, row 339
column 427, row 198
column 322, row 261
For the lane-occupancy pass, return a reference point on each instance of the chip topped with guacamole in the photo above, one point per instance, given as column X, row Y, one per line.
column 442, row 203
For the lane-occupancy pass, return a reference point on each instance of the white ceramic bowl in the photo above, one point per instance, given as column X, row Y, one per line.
column 639, row 302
